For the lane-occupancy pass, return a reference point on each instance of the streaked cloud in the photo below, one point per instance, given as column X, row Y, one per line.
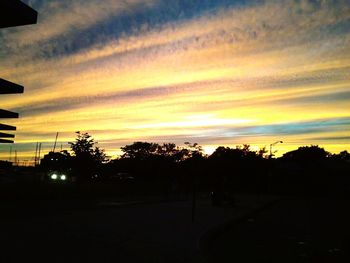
column 61, row 18
column 253, row 70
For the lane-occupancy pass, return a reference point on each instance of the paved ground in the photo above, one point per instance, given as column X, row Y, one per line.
column 293, row 230
column 110, row 231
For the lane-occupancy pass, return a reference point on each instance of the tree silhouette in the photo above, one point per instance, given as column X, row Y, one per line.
column 193, row 150
column 343, row 156
column 83, row 144
column 140, row 150
column 87, row 157
column 307, row 154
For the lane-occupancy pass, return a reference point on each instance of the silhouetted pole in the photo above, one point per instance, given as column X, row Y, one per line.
column 39, row 153
column 36, row 153
column 272, row 144
column 54, row 146
column 10, row 159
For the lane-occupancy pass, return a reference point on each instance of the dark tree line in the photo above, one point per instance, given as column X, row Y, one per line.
column 167, row 168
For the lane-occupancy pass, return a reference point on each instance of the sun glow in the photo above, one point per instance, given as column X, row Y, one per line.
column 226, row 76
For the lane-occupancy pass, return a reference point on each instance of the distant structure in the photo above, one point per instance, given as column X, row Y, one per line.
column 13, row 13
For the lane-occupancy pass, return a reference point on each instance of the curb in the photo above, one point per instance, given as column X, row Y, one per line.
column 205, row 240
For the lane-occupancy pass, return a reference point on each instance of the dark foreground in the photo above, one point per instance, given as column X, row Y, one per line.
column 289, row 230
column 294, row 230
column 110, row 230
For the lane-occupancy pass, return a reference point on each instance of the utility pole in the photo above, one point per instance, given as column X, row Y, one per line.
column 10, row 154
column 39, row 153
column 54, row 146
column 36, row 153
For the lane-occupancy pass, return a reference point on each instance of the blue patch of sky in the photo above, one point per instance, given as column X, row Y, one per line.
column 296, row 128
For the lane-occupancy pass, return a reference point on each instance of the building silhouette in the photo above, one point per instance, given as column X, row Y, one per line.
column 12, row 13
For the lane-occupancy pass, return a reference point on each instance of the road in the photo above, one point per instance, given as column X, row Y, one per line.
column 108, row 232
column 293, row 230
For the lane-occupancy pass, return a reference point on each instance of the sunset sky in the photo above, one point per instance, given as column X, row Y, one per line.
column 215, row 72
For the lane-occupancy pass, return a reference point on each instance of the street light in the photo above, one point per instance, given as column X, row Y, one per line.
column 272, row 144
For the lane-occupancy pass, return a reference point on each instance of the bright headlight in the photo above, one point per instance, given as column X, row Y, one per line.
column 54, row 176
column 63, row 177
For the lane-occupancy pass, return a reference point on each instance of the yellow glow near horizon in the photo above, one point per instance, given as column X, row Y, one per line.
column 226, row 77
